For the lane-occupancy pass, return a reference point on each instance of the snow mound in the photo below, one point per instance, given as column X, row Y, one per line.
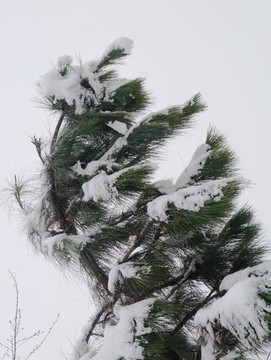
column 191, row 198
column 121, row 340
column 81, row 85
column 240, row 310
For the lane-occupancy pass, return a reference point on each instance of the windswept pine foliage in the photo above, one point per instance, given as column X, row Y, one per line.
column 165, row 260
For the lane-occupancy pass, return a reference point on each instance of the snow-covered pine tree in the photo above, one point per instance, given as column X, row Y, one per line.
column 174, row 268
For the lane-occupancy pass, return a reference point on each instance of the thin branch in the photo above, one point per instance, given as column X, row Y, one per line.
column 108, row 305
column 58, row 126
column 13, row 343
column 38, row 145
column 17, row 319
column 37, row 347
column 193, row 312
column 5, row 346
column 17, row 195
column 176, row 282
column 184, row 277
column 6, row 354
column 138, row 241
column 24, row 340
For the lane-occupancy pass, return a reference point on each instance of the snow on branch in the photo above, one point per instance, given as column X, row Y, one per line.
column 118, row 126
column 121, row 340
column 50, row 244
column 127, row 270
column 122, row 43
column 195, row 166
column 241, row 310
column 191, row 198
column 108, row 159
column 101, row 186
column 81, row 85
column 192, row 170
column 261, row 271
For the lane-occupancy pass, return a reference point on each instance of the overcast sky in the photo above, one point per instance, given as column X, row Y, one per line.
column 220, row 48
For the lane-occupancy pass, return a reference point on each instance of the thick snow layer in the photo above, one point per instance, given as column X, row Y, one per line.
column 196, row 164
column 64, row 61
column 186, row 178
column 120, row 340
column 122, row 43
column 118, row 126
column 240, row 310
column 126, row 270
column 191, row 198
column 165, row 186
column 262, row 270
column 101, row 186
column 80, row 84
column 50, row 244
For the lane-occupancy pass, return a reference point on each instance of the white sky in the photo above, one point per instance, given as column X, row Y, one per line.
column 220, row 48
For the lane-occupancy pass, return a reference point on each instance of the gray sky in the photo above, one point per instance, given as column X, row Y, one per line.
column 220, row 48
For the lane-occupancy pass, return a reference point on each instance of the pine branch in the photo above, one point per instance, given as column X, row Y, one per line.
column 183, row 278
column 193, row 312
column 68, row 226
column 138, row 241
column 58, row 126
column 176, row 282
column 106, row 306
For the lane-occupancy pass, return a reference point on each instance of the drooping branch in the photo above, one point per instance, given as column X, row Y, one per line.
column 174, row 282
column 182, row 278
column 105, row 307
column 193, row 312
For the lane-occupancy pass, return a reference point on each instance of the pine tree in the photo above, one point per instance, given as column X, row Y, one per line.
column 175, row 269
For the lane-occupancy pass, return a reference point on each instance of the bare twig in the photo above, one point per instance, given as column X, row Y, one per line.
column 6, row 354
column 17, row 319
column 24, row 340
column 5, row 346
column 38, row 145
column 37, row 347
column 13, row 343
